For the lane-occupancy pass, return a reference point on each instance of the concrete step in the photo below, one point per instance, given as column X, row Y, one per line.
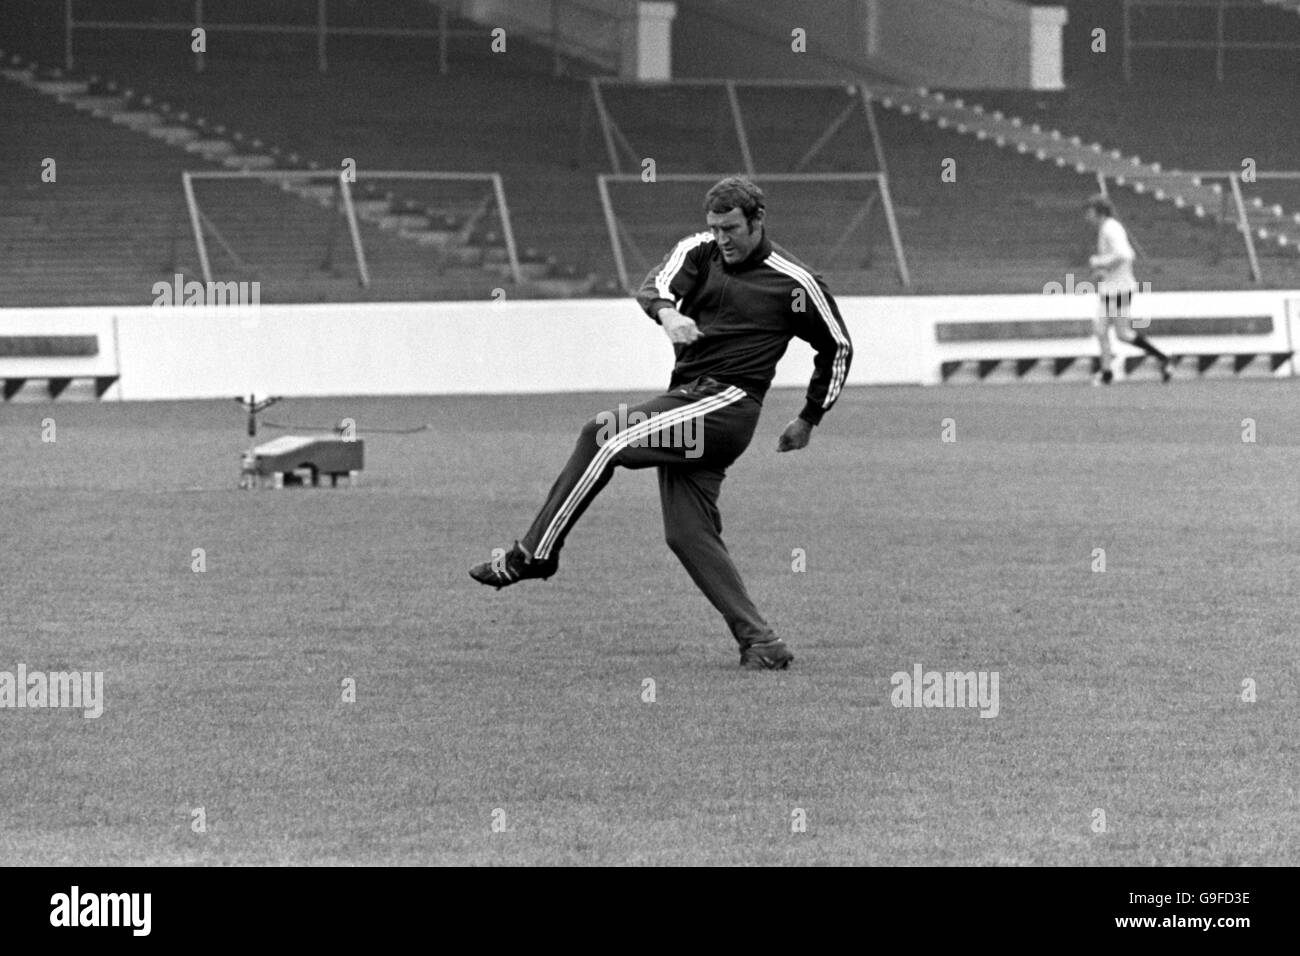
column 173, row 135
column 463, row 255
column 313, row 191
column 210, row 147
column 61, row 87
column 400, row 221
column 137, row 119
column 530, row 271
column 437, row 238
column 98, row 105
column 248, row 161
column 563, row 288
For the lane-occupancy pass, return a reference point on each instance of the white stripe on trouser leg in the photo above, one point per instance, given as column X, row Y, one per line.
column 616, row 444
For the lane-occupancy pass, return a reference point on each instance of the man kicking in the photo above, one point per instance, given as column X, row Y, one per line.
column 1112, row 267
column 730, row 301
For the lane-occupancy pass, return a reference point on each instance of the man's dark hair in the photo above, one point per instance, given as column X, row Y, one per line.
column 735, row 192
column 1101, row 205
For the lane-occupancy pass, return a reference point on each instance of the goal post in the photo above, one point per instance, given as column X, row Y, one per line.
column 437, row 213
column 828, row 224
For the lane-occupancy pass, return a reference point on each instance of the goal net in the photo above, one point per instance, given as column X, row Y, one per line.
column 841, row 225
column 308, row 235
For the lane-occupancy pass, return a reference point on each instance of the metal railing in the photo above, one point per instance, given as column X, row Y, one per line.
column 617, row 145
column 733, row 20
column 1219, row 44
column 322, row 30
column 566, row 38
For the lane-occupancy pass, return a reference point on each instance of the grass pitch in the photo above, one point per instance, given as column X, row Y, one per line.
column 1120, row 690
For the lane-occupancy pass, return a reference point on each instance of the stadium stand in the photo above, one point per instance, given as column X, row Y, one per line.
column 138, row 179
column 1010, row 220
column 1175, row 109
column 119, row 226
column 1184, row 242
column 1019, row 230
column 1263, row 125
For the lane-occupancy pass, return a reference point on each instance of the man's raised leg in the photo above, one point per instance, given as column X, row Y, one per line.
column 624, row 437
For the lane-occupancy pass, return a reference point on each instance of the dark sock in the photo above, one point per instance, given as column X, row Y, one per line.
column 1142, row 342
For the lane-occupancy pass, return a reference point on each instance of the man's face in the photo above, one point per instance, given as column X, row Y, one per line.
column 734, row 235
column 1091, row 215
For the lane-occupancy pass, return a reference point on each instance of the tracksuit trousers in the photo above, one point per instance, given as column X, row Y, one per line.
column 691, row 434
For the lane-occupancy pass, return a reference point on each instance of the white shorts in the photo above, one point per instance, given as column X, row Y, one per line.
column 1116, row 310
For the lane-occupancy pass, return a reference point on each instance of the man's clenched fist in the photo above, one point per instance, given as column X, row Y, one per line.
column 680, row 329
column 795, row 436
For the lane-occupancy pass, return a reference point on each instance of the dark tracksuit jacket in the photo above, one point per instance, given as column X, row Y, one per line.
column 748, row 314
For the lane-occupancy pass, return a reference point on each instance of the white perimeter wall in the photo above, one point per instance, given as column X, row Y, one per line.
column 543, row 346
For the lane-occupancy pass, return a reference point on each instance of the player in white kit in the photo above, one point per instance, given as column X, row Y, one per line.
column 1112, row 268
